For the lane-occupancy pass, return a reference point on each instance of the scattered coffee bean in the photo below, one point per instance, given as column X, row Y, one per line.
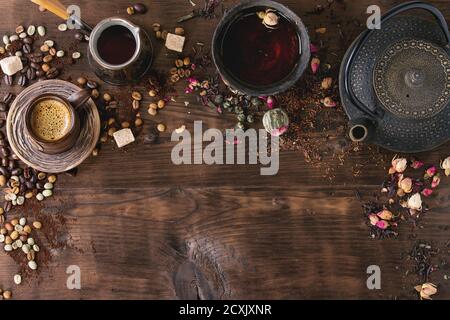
column 22, row 221
column 62, row 27
column 161, row 127
column 8, row 248
column 41, row 31
column 140, row 8
column 179, row 31
column 138, row 122
column 8, row 80
column 13, row 38
column 26, row 229
column 23, row 81
column 52, row 178
column 44, row 48
column 152, row 111
column 60, row 54
column 31, row 30
column 6, row 40
column 37, row 225
column 52, row 73
column 47, row 193
column 82, row 81
column 92, row 85
column 136, row 105
column 161, row 104
column 32, row 264
column 47, row 59
column 40, row 197
column 95, row 94
column 130, row 11
column 17, row 279
column 49, row 43
column 52, row 52
column 136, row 96
column 76, row 55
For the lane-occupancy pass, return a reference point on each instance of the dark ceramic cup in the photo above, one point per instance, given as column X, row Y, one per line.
column 72, row 105
column 223, row 28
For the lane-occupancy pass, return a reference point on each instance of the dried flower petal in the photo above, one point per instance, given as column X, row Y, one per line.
column 416, row 164
column 329, row 103
column 385, row 215
column 406, row 184
column 427, row 192
column 326, row 83
column 382, row 224
column 313, row 48
column 315, row 64
column 373, row 218
column 415, row 202
column 426, row 290
column 445, row 164
column 399, row 164
column 271, row 102
column 436, row 181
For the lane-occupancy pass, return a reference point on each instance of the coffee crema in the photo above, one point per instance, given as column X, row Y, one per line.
column 50, row 120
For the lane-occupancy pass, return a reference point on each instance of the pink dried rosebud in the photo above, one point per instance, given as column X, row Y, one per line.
column 416, row 164
column 427, row 192
column 313, row 48
column 327, row 83
column 385, row 215
column 445, row 164
column 406, row 184
column 383, row 225
column 271, row 102
column 315, row 64
column 189, row 90
column 329, row 103
column 399, row 164
column 373, row 218
column 431, row 171
column 193, row 81
column 436, row 181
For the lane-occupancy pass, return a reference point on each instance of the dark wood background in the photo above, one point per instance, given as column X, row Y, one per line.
column 142, row 228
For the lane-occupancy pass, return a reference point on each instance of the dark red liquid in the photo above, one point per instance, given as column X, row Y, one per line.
column 258, row 55
column 116, row 45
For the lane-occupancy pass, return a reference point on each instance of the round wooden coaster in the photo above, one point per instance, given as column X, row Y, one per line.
column 28, row 153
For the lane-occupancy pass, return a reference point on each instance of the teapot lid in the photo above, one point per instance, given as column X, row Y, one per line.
column 411, row 79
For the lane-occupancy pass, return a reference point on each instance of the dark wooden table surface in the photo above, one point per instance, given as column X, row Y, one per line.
column 143, row 228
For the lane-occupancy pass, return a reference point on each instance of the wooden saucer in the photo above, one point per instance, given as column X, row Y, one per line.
column 29, row 153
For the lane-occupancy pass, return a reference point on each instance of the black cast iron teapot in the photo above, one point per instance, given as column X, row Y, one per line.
column 395, row 82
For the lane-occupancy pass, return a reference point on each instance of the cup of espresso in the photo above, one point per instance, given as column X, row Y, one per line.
column 53, row 122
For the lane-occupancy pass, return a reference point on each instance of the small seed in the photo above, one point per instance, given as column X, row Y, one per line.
column 2, row 238
column 82, row 81
column 32, row 264
column 17, row 279
column 45, row 67
column 161, row 127
column 6, row 40
column 7, row 295
column 23, row 35
column 130, row 11
column 136, row 96
column 48, row 58
column 9, row 227
column 62, row 27
column 76, row 55
column 41, row 31
column 8, row 240
column 138, row 122
column 161, row 104
column 37, row 225
column 179, row 31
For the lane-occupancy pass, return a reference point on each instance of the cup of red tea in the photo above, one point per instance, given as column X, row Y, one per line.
column 119, row 51
column 261, row 47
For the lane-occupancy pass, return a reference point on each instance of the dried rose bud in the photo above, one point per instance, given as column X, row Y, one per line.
column 315, row 64
column 313, row 48
column 446, row 166
column 326, row 83
column 416, row 164
column 373, row 218
column 427, row 192
column 271, row 102
column 406, row 184
column 431, row 171
column 385, row 215
column 271, row 19
column 415, row 202
column 329, row 103
column 426, row 290
column 383, row 225
column 399, row 164
column 436, row 181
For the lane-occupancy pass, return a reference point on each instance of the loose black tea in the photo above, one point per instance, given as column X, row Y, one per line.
column 116, row 45
column 259, row 55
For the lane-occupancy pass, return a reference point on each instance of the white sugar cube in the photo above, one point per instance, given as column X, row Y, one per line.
column 175, row 42
column 124, row 137
column 11, row 65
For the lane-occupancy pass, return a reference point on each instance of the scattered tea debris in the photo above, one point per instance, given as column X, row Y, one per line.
column 426, row 290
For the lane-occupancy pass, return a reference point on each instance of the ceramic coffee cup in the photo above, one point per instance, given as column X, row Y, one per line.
column 53, row 122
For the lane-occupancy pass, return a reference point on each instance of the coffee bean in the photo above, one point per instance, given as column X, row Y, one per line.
column 82, row 81
column 31, row 74
column 136, row 105
column 52, row 52
column 52, row 73
column 23, row 81
column 36, row 57
column 41, row 31
column 47, row 59
column 95, row 94
column 8, row 80
column 140, row 8
column 45, row 67
column 26, row 48
column 136, row 96
column 44, row 48
column 92, row 85
column 17, row 172
column 32, row 264
column 8, row 98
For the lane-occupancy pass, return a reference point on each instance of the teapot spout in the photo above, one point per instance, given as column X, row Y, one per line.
column 361, row 129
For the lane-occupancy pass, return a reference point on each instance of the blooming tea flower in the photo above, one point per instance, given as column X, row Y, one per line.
column 415, row 202
column 406, row 184
column 399, row 165
column 446, row 166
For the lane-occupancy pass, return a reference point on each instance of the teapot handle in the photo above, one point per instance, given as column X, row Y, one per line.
column 364, row 36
